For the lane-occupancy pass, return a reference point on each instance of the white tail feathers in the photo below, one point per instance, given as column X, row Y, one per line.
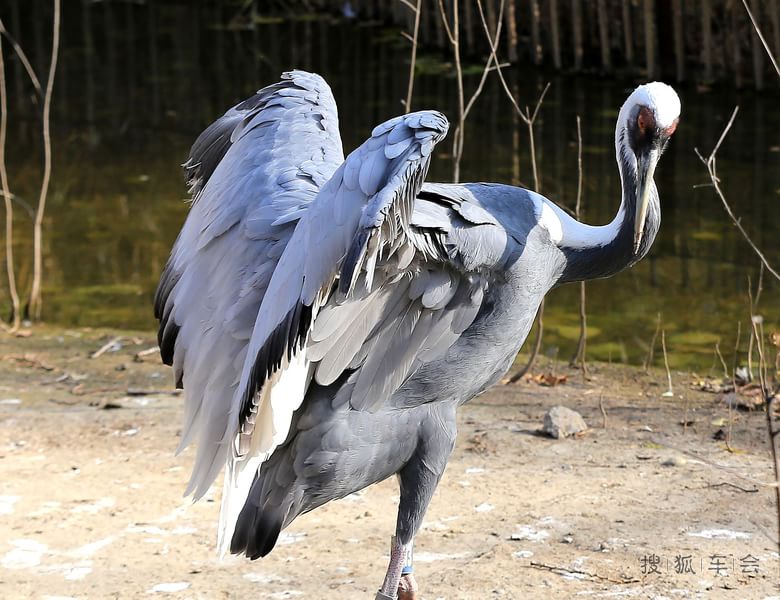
column 279, row 399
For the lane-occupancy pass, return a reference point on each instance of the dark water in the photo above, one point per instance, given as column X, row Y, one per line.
column 137, row 82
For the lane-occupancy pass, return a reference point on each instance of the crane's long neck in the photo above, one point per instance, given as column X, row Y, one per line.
column 596, row 252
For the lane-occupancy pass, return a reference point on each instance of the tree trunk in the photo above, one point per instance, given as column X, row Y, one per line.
column 9, row 208
column 603, row 17
column 628, row 37
column 649, row 18
column 758, row 51
column 469, row 27
column 510, row 16
column 555, row 34
column 732, row 35
column 576, row 23
column 706, row 39
column 678, row 22
column 536, row 44
column 774, row 16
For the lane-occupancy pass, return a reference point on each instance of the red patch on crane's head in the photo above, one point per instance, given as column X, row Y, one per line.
column 645, row 120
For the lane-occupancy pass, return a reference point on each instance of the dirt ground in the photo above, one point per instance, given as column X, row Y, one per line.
column 91, row 498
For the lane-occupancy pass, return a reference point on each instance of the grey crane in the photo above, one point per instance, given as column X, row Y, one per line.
column 326, row 317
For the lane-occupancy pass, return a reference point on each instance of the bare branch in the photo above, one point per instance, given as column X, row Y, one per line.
column 669, row 391
column 769, row 399
column 579, row 353
column 488, row 65
column 9, row 209
column 413, row 62
column 710, row 163
column 761, row 37
column 23, row 58
column 539, row 102
column 446, row 23
column 35, row 303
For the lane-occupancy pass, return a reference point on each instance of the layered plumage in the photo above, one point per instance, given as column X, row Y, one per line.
column 326, row 317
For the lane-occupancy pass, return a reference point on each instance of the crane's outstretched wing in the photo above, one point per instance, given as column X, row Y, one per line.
column 363, row 211
column 410, row 275
column 424, row 296
column 252, row 174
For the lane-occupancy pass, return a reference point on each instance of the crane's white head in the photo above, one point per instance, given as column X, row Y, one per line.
column 646, row 122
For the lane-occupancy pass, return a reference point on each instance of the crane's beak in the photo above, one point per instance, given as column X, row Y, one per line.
column 646, row 163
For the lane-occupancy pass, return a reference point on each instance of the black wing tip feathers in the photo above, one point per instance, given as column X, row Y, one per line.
column 169, row 330
column 288, row 337
column 256, row 532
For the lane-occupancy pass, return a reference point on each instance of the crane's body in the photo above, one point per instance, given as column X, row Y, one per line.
column 327, row 317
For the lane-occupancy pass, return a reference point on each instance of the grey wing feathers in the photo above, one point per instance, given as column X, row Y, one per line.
column 408, row 143
column 252, row 174
column 365, row 207
column 416, row 311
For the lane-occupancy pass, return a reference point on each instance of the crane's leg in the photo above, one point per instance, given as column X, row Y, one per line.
column 418, row 480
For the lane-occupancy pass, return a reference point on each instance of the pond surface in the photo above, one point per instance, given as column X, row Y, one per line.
column 137, row 83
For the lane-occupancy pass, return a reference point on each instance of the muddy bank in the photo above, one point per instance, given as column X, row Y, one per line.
column 91, row 499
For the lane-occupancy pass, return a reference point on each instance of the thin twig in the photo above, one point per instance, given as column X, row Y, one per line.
column 453, row 34
column 651, row 349
column 769, row 399
column 734, row 485
column 464, row 108
column 596, row 576
column 722, row 360
column 733, row 383
column 35, row 304
column 579, row 353
column 139, row 356
column 603, row 411
column 22, row 58
column 710, row 164
column 9, row 209
column 530, row 120
column 713, row 464
column 493, row 42
column 21, row 202
column 761, row 37
column 410, row 87
column 106, row 347
column 753, row 306
column 669, row 392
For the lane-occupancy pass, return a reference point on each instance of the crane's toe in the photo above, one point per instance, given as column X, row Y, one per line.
column 407, row 587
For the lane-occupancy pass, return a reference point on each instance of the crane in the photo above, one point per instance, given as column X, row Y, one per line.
column 326, row 317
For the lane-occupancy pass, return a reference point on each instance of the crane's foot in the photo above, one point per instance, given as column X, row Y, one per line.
column 399, row 582
column 407, row 587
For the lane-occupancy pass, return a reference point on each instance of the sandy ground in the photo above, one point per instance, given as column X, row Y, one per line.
column 91, row 499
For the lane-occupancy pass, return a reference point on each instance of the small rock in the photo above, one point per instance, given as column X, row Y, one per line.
column 674, row 461
column 560, row 422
